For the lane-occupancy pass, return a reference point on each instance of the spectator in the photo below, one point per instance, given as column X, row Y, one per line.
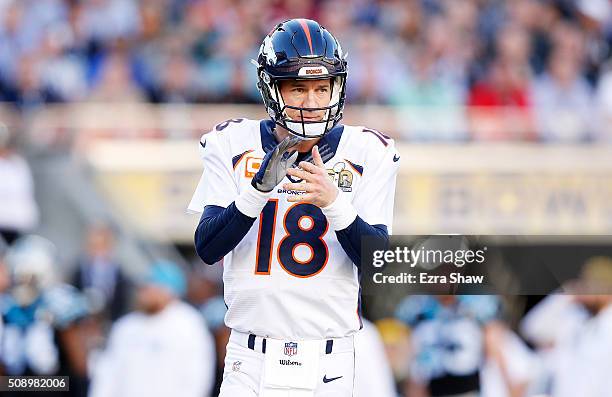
column 106, row 21
column 115, row 81
column 163, row 349
column 595, row 17
column 11, row 46
column 99, row 275
column 502, row 98
column 23, row 27
column 29, row 90
column 19, row 211
column 223, row 77
column 370, row 83
column 562, row 101
column 431, row 95
column 62, row 73
column 177, row 81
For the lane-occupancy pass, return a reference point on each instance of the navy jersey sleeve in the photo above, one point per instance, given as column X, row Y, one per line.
column 219, row 231
column 350, row 238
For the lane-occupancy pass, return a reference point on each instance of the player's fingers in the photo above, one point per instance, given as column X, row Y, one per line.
column 301, row 174
column 305, row 165
column 303, row 186
column 316, row 156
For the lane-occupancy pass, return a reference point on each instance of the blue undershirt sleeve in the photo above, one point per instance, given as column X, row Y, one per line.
column 350, row 237
column 219, row 231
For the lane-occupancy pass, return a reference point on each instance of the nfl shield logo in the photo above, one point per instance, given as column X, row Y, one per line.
column 290, row 349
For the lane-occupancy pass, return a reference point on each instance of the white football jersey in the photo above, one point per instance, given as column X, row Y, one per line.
column 289, row 277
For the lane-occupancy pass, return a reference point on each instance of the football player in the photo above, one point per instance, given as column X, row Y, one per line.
column 41, row 317
column 285, row 203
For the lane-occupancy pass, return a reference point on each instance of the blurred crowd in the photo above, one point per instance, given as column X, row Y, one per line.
column 527, row 69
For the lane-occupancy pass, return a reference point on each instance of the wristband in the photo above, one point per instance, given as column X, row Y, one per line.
column 340, row 213
column 251, row 201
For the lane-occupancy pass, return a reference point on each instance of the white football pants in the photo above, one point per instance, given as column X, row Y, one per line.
column 244, row 367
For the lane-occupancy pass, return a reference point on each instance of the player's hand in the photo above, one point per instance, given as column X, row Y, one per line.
column 318, row 187
column 274, row 166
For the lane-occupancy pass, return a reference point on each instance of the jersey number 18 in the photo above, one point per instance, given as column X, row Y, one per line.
column 305, row 225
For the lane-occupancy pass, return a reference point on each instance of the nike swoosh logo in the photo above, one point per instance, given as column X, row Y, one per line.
column 327, row 380
column 203, row 144
column 396, row 158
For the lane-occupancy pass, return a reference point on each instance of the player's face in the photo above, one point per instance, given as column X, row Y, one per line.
column 306, row 94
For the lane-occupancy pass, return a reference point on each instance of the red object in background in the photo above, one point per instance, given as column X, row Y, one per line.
column 500, row 106
column 486, row 95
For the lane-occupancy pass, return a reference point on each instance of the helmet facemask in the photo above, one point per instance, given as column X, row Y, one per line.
column 305, row 129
